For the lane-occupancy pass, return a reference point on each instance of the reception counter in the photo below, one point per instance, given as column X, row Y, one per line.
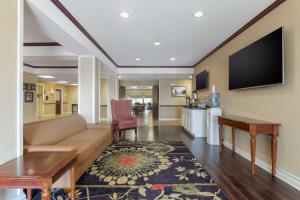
column 193, row 120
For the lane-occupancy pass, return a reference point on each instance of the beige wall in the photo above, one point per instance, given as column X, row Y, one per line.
column 138, row 93
column 72, row 92
column 30, row 108
column 103, row 92
column 277, row 103
column 122, row 92
column 103, row 98
column 69, row 93
column 170, row 107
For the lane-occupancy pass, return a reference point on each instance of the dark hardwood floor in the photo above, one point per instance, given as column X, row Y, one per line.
column 229, row 170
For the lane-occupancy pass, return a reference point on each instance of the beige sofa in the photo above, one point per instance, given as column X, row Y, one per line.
column 67, row 134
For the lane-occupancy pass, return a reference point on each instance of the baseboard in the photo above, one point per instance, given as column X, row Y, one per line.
column 283, row 175
column 169, row 119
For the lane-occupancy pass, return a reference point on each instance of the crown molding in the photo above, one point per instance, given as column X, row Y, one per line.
column 41, row 44
column 50, row 67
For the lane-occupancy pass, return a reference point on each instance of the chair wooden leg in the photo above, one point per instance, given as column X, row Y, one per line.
column 135, row 131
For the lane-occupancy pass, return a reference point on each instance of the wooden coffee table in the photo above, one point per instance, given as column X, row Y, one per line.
column 38, row 170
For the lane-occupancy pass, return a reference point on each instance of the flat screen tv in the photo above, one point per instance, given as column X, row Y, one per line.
column 259, row 64
column 202, row 80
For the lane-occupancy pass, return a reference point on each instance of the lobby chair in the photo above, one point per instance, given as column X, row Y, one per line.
column 122, row 119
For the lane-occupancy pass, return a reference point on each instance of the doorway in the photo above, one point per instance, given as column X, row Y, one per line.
column 58, row 101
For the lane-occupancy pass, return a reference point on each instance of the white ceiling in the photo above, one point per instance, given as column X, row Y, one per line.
column 169, row 21
column 32, row 34
column 47, row 55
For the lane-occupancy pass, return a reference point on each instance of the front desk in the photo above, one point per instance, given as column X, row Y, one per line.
column 193, row 120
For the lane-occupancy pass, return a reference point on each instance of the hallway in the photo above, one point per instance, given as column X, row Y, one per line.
column 147, row 120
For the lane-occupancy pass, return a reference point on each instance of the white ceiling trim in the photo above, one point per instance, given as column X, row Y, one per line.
column 46, row 51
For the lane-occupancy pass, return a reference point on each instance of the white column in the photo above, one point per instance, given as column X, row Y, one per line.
column 11, row 85
column 113, row 92
column 89, row 88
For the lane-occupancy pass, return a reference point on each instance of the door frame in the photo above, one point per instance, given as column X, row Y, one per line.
column 43, row 98
column 61, row 101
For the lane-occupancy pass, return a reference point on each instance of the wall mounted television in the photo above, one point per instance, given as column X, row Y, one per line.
column 259, row 64
column 202, row 80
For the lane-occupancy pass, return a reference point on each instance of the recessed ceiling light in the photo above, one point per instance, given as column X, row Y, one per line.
column 137, row 59
column 190, row 76
column 119, row 76
column 46, row 76
column 173, row 59
column 62, row 82
column 124, row 14
column 156, row 43
column 198, row 14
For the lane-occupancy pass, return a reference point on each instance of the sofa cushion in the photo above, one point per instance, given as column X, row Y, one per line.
column 89, row 135
column 87, row 142
column 52, row 131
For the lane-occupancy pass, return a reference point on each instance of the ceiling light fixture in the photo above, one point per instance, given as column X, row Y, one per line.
column 74, row 84
column 190, row 76
column 198, row 14
column 124, row 14
column 119, row 76
column 157, row 43
column 62, row 82
column 46, row 76
column 173, row 59
column 137, row 59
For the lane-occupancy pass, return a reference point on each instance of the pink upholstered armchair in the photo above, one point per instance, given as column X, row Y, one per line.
column 121, row 116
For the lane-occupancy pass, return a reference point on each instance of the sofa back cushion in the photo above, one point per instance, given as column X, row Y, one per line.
column 52, row 131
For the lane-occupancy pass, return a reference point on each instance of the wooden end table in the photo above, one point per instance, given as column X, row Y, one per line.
column 254, row 127
column 38, row 170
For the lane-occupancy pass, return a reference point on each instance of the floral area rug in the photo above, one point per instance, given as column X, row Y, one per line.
column 145, row 170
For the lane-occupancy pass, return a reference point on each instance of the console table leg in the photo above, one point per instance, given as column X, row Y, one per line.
column 220, row 136
column 29, row 194
column 274, row 148
column 253, row 148
column 72, row 181
column 233, row 139
column 46, row 195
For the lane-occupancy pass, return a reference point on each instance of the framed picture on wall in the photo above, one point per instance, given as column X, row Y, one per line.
column 33, row 87
column 24, row 86
column 178, row 91
column 28, row 87
column 28, row 97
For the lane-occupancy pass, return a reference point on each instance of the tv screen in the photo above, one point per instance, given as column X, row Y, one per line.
column 258, row 64
column 202, row 80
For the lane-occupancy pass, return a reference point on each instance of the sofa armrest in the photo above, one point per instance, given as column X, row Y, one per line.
column 48, row 148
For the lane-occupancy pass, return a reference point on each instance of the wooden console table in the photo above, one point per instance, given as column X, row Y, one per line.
column 38, row 170
column 254, row 127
